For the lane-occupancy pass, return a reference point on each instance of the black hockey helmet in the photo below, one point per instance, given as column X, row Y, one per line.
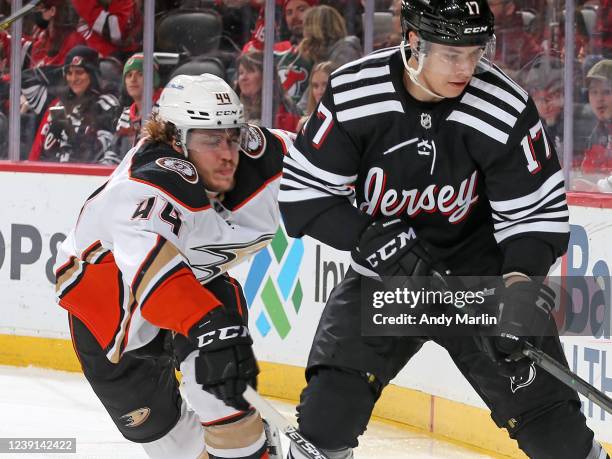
column 449, row 22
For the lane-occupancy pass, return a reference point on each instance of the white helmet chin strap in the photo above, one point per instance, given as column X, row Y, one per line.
column 413, row 74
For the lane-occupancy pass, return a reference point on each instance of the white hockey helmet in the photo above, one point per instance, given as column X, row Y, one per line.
column 200, row 102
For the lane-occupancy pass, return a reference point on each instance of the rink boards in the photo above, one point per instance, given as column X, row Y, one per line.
column 286, row 286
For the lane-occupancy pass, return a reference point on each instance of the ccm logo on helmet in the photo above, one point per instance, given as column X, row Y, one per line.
column 475, row 29
column 234, row 331
column 391, row 247
column 226, row 112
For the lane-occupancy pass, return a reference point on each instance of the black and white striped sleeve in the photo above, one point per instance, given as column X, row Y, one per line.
column 526, row 191
column 317, row 189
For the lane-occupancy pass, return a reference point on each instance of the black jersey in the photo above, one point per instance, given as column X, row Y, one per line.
column 475, row 175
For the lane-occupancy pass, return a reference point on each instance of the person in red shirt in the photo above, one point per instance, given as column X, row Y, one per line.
column 54, row 35
column 515, row 47
column 602, row 37
column 112, row 27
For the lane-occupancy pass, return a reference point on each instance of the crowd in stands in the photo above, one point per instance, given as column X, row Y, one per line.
column 82, row 77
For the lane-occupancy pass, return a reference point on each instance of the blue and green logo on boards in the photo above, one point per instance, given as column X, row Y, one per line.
column 274, row 276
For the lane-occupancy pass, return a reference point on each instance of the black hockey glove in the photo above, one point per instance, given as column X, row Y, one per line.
column 226, row 363
column 524, row 314
column 390, row 248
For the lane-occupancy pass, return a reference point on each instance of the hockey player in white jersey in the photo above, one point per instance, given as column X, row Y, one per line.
column 432, row 139
column 143, row 275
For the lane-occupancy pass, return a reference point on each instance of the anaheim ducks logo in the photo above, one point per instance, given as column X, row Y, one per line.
column 516, row 382
column 136, row 417
column 183, row 168
column 253, row 144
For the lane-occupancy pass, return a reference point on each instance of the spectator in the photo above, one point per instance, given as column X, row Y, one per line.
column 112, row 27
column 515, row 47
column 249, row 87
column 602, row 37
column 293, row 68
column 316, row 87
column 130, row 121
column 395, row 35
column 544, row 81
column 256, row 42
column 598, row 157
column 78, row 125
column 293, row 12
column 544, row 78
column 54, row 34
column 325, row 37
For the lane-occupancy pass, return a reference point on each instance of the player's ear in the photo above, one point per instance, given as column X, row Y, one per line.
column 413, row 40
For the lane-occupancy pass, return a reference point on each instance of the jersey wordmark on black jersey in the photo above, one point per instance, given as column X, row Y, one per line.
column 475, row 171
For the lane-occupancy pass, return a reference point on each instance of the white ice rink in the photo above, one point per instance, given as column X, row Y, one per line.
column 44, row 403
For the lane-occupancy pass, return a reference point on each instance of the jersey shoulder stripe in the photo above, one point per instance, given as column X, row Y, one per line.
column 492, row 105
column 364, row 88
column 162, row 168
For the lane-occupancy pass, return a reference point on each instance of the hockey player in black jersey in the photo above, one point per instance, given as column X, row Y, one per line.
column 146, row 266
column 431, row 138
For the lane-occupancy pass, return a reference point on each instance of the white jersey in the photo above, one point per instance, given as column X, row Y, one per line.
column 147, row 241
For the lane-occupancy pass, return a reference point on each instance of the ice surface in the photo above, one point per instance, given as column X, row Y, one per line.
column 44, row 403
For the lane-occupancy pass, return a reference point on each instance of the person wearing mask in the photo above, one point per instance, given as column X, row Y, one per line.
column 54, row 35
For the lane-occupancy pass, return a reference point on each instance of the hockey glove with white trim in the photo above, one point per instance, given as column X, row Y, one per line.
column 390, row 247
column 225, row 363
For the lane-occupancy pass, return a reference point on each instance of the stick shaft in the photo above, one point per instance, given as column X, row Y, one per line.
column 567, row 377
column 270, row 413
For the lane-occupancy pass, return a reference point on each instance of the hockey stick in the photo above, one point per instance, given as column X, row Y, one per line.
column 546, row 362
column 21, row 12
column 567, row 377
column 270, row 413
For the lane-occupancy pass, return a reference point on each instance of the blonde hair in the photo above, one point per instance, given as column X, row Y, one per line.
column 326, row 67
column 323, row 26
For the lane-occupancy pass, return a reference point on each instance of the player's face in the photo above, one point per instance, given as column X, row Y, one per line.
column 134, row 84
column 214, row 153
column 600, row 98
column 318, row 84
column 294, row 16
column 78, row 79
column 448, row 69
column 249, row 81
